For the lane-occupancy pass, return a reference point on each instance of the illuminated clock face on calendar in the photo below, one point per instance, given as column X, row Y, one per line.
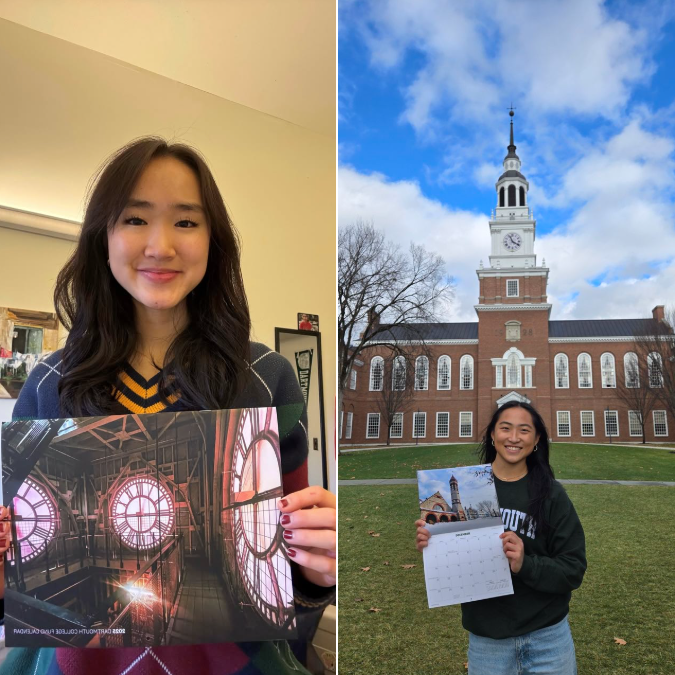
column 142, row 512
column 255, row 487
column 36, row 518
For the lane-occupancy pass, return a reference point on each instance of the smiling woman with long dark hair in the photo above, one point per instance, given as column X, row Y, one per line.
column 527, row 632
column 158, row 321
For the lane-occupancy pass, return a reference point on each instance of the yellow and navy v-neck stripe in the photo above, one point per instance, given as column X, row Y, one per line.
column 138, row 395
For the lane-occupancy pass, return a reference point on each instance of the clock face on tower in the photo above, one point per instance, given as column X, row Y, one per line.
column 255, row 525
column 512, row 241
column 142, row 512
column 36, row 518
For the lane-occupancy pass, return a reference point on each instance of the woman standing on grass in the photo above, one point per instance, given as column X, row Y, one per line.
column 527, row 632
column 158, row 319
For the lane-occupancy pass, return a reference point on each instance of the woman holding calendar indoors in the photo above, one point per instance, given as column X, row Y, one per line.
column 158, row 321
column 527, row 632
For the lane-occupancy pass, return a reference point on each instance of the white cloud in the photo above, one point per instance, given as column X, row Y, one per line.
column 550, row 56
column 405, row 214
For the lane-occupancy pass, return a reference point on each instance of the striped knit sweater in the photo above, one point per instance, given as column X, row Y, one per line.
column 272, row 383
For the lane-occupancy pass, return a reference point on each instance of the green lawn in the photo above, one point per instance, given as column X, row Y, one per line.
column 568, row 460
column 627, row 592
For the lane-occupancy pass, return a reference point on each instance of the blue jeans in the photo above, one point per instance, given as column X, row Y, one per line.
column 548, row 651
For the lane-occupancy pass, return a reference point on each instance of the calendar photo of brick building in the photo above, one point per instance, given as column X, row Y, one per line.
column 575, row 372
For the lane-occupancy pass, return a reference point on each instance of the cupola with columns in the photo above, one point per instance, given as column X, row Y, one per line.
column 512, row 275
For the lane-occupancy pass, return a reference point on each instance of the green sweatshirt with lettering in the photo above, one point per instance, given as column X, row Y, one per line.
column 553, row 567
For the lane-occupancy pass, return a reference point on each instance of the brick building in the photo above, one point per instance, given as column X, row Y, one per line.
column 569, row 370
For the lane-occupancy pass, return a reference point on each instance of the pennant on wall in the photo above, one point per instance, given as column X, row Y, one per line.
column 303, row 362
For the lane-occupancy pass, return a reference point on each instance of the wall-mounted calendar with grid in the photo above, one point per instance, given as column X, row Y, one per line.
column 464, row 560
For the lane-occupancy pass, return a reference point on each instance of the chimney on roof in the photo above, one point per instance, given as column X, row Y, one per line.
column 373, row 319
column 659, row 313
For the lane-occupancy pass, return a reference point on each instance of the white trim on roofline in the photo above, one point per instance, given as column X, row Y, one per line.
column 423, row 342
column 616, row 338
column 502, row 307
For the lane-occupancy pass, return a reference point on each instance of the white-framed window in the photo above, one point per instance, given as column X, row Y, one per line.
column 513, row 371
column 660, row 423
column 499, row 376
column 419, row 425
column 350, row 421
column 564, row 424
column 584, row 371
column 342, row 417
column 466, row 372
column 634, row 426
column 611, row 423
column 654, row 368
column 562, row 371
column 608, row 370
column 465, row 424
column 443, row 373
column 376, row 373
column 396, row 430
column 352, row 379
column 631, row 370
column 373, row 425
column 421, row 373
column 398, row 374
column 587, row 423
column 528, row 376
column 512, row 288
column 442, row 424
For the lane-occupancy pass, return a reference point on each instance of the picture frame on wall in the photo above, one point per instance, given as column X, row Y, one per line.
column 308, row 322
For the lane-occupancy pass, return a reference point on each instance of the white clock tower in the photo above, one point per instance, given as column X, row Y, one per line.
column 512, row 275
column 512, row 225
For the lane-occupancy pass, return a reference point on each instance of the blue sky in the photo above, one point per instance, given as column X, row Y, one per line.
column 424, row 91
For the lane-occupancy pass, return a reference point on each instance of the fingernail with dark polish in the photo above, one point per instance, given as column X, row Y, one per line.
column 285, row 520
column 284, row 503
column 291, row 552
column 288, row 534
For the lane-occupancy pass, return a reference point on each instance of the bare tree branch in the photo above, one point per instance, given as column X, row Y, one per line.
column 381, row 287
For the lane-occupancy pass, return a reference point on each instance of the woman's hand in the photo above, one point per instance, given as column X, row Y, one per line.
column 308, row 519
column 422, row 540
column 514, row 550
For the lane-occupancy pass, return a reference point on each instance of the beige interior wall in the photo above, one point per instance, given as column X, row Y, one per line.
column 66, row 108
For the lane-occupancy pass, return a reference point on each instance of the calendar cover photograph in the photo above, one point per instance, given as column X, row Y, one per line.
column 139, row 530
column 462, row 498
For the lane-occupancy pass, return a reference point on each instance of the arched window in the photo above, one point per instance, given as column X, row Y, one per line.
column 631, row 371
column 608, row 370
column 522, row 196
column 584, row 371
column 512, row 195
column 655, row 368
column 501, row 196
column 398, row 374
column 466, row 372
column 443, row 374
column 562, row 371
column 513, row 371
column 422, row 373
column 376, row 373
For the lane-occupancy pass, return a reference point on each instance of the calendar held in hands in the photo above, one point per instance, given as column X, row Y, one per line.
column 464, row 560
